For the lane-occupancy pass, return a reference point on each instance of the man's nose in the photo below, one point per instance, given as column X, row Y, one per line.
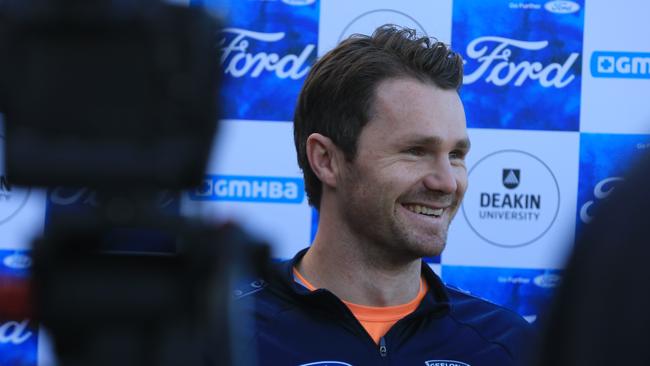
column 441, row 178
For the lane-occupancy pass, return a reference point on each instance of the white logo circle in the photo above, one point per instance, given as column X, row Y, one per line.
column 367, row 22
column 505, row 214
column 12, row 199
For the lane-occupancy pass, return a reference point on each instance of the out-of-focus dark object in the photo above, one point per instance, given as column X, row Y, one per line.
column 105, row 94
column 601, row 315
column 130, row 309
column 120, row 97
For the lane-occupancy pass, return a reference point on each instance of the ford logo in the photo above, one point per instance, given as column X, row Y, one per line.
column 547, row 280
column 326, row 363
column 298, row 2
column 562, row 7
column 17, row 261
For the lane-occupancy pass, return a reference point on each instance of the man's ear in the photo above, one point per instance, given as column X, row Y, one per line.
column 324, row 159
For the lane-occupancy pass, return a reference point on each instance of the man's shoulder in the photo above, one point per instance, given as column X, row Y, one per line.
column 256, row 300
column 265, row 296
column 491, row 321
column 474, row 310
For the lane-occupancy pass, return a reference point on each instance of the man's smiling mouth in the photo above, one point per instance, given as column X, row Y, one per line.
column 424, row 210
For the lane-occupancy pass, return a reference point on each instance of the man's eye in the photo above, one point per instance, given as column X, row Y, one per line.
column 456, row 155
column 415, row 151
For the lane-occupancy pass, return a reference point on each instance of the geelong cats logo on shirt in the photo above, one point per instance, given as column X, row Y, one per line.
column 445, row 363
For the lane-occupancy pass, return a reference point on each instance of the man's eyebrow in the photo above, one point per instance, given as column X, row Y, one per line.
column 435, row 141
column 464, row 144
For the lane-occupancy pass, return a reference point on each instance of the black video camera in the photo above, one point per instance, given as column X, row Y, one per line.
column 107, row 94
column 119, row 97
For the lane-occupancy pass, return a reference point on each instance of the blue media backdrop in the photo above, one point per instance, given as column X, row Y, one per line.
column 603, row 160
column 267, row 47
column 520, row 53
column 556, row 100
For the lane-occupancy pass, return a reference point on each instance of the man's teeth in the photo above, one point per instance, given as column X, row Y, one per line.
column 424, row 210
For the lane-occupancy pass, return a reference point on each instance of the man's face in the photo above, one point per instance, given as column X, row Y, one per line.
column 408, row 178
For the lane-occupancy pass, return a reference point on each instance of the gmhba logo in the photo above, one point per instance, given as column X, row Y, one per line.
column 241, row 188
column 516, row 202
column 626, row 65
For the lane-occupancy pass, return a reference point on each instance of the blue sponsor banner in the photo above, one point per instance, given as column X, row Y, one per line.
column 241, row 188
column 18, row 337
column 604, row 159
column 267, row 50
column 69, row 201
column 523, row 62
column 626, row 65
column 526, row 291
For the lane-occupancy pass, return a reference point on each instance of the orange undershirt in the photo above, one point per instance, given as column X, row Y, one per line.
column 376, row 320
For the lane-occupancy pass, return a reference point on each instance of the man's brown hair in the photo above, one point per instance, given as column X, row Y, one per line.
column 337, row 97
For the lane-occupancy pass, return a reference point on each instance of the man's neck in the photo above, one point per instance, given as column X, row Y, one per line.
column 355, row 273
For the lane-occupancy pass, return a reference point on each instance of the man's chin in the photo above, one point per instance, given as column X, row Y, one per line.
column 433, row 253
column 426, row 250
column 434, row 248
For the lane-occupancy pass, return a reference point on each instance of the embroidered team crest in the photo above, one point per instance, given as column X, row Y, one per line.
column 445, row 363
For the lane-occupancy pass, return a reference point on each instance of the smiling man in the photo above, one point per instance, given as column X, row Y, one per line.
column 381, row 138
